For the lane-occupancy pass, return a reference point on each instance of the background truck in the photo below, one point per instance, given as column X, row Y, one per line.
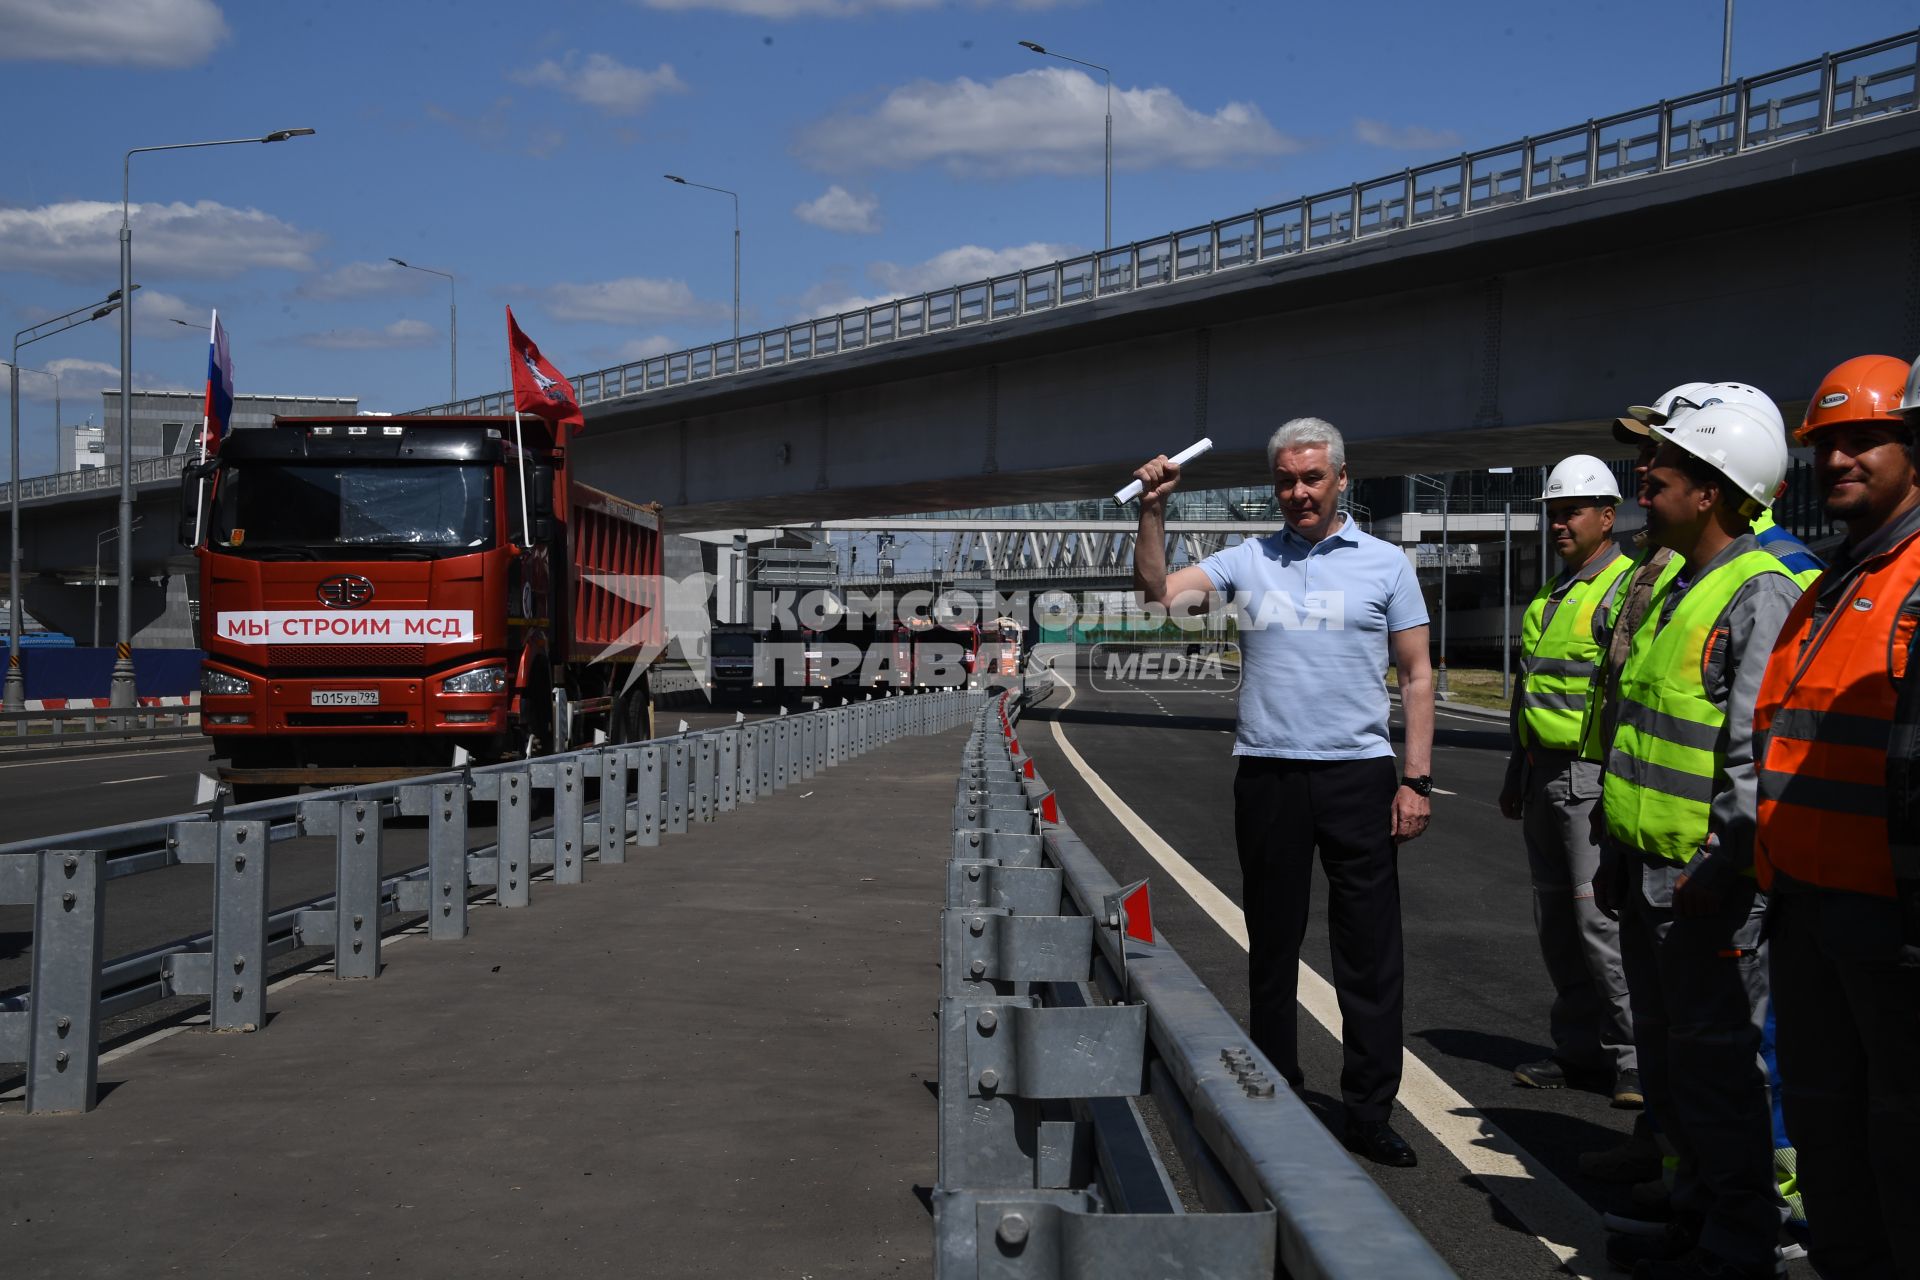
column 376, row 592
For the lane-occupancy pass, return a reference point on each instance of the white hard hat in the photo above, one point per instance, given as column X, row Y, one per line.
column 1641, row 416
column 1910, row 402
column 1581, row 476
column 1736, row 393
column 1737, row 441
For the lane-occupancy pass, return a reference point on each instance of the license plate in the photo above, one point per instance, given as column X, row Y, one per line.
column 346, row 698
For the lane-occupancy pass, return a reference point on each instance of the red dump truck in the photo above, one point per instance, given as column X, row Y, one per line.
column 376, row 592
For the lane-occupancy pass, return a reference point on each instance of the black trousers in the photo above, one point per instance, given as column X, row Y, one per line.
column 1282, row 811
column 1847, row 1013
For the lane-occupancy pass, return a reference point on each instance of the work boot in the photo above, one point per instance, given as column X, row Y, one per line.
column 1626, row 1091
column 1544, row 1074
column 1627, row 1252
column 1652, row 1198
column 1635, row 1160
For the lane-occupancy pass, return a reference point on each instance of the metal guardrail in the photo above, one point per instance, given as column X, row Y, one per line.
column 1804, row 100
column 646, row 790
column 1055, row 1019
column 92, row 479
column 22, row 727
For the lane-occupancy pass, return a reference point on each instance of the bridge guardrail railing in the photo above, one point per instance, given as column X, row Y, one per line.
column 51, row 728
column 1833, row 91
column 647, row 791
column 1060, row 1010
column 92, row 479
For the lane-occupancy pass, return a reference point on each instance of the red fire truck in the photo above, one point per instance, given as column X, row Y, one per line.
column 376, row 592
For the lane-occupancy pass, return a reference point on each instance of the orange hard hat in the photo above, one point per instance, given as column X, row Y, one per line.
column 1863, row 389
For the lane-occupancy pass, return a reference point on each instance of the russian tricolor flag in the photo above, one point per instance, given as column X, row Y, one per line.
column 219, row 387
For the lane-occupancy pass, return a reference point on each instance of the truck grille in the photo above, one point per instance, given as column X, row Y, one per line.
column 346, row 655
column 346, row 719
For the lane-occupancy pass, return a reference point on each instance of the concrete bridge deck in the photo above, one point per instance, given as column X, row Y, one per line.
column 713, row 1059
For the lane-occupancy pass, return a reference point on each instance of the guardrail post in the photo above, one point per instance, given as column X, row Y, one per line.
column 514, row 825
column 355, row 918
column 706, row 762
column 763, row 761
column 677, row 786
column 67, row 888
column 238, row 982
column 749, row 761
column 648, row 771
column 783, row 751
column 729, row 760
column 615, row 763
column 566, row 849
column 446, row 860
column 803, row 765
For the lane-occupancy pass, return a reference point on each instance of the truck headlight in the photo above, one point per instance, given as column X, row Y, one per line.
column 479, row 680
column 220, row 684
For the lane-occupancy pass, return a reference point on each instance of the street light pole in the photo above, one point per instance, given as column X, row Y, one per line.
column 1106, row 235
column 122, row 692
column 671, row 177
column 1444, row 485
column 453, row 323
column 13, row 692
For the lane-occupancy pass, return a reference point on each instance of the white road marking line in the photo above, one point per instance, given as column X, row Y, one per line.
column 129, row 755
column 1558, row 1218
column 145, row 777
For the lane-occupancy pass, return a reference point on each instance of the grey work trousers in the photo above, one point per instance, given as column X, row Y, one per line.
column 1699, row 998
column 1592, row 1019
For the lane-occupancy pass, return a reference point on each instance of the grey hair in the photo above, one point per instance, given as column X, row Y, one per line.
column 1302, row 431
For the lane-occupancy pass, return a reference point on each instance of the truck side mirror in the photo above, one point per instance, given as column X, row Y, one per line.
column 189, row 508
column 541, row 481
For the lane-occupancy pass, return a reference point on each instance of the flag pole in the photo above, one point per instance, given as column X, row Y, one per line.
column 200, row 486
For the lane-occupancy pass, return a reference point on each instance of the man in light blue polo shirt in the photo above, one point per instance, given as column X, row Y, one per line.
column 1323, row 607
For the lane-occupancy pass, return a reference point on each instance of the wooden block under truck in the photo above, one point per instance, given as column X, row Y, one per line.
column 379, row 592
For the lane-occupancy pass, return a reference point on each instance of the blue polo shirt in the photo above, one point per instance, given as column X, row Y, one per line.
column 1314, row 620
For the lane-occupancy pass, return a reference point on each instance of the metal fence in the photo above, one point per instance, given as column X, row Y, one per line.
column 1057, row 1017
column 93, row 479
column 1809, row 98
column 67, row 727
column 647, row 790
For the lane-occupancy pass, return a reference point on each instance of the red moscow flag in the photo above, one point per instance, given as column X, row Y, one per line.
column 538, row 387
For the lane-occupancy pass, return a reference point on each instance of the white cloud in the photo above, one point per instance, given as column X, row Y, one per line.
column 91, row 377
column 1048, row 120
column 365, row 280
column 133, row 33
column 1405, row 137
column 602, row 82
column 834, row 8
column 645, row 348
column 837, row 209
column 963, row 264
column 80, row 239
column 399, row 335
column 154, row 313
column 633, row 300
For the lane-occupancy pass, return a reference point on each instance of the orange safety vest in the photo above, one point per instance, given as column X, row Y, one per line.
column 1826, row 713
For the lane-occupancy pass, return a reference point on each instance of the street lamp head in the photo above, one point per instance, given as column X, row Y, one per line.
column 115, row 295
column 105, row 311
column 396, row 262
column 281, row 135
column 674, row 177
column 1028, row 44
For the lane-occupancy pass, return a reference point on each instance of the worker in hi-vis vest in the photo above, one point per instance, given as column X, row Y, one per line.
column 1679, row 798
column 1553, row 783
column 1838, row 843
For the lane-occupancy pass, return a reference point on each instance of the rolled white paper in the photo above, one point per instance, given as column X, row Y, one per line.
column 1180, row 459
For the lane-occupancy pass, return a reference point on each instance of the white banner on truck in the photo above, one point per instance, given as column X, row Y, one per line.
column 362, row 626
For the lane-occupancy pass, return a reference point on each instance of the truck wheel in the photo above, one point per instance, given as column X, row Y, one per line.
column 248, row 792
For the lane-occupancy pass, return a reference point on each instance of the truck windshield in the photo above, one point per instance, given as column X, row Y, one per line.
column 732, row 644
column 312, row 508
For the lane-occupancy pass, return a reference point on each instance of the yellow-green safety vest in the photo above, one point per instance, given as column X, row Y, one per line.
column 1666, row 756
column 1556, row 671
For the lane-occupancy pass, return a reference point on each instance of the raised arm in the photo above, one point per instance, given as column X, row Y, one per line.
column 1189, row 587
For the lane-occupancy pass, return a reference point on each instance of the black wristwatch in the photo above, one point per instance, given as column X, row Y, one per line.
column 1420, row 784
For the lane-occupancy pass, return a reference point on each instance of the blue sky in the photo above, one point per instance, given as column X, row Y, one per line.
column 879, row 147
